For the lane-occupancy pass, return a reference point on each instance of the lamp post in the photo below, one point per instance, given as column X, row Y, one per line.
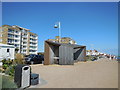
column 57, row 25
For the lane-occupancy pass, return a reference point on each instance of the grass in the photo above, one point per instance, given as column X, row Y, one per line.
column 7, row 83
column 8, row 67
column 0, row 81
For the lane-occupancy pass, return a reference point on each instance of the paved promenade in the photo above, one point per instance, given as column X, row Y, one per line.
column 92, row 74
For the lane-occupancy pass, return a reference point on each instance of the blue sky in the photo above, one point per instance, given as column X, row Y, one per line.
column 93, row 24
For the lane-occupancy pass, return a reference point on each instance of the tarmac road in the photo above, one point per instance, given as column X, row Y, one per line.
column 92, row 74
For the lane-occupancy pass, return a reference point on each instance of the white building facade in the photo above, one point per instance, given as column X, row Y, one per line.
column 7, row 51
column 25, row 41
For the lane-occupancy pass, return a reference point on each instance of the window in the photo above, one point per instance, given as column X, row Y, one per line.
column 9, row 30
column 24, row 50
column 25, row 34
column 33, row 39
column 16, row 45
column 16, row 31
column 10, row 40
column 16, row 40
column 8, row 50
column 24, row 38
column 16, row 36
column 10, row 35
column 24, row 46
column 63, row 40
column 34, row 43
column 24, row 42
column 32, row 50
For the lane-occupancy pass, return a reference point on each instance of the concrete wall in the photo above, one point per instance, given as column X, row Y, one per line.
column 66, row 55
column 51, row 51
column 46, row 54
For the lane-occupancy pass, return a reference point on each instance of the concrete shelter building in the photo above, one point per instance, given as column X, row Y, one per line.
column 63, row 54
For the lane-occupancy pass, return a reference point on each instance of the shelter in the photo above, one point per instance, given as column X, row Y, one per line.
column 63, row 54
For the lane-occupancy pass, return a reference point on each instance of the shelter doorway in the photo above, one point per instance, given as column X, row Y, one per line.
column 55, row 54
column 79, row 54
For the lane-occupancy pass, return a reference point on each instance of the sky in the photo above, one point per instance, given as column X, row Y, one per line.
column 93, row 24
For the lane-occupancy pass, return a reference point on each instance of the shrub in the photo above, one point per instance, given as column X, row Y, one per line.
column 8, row 66
column 88, row 58
column 91, row 58
column 5, row 66
column 19, row 59
column 10, row 70
column 6, row 63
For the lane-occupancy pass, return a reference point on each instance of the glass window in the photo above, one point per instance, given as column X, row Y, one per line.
column 9, row 30
column 16, row 32
column 16, row 36
column 16, row 40
column 24, row 42
column 24, row 50
column 24, row 46
column 10, row 35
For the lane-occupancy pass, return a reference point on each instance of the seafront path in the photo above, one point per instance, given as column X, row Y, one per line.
column 102, row 73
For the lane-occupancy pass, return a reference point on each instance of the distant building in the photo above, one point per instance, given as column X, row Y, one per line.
column 25, row 41
column 92, row 52
column 63, row 40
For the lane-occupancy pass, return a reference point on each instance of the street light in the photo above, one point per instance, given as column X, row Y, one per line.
column 57, row 25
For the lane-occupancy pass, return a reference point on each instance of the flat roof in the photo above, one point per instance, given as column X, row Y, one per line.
column 58, row 44
column 21, row 27
column 6, row 45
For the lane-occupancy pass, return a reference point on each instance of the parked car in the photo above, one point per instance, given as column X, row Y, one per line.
column 34, row 59
column 94, row 58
